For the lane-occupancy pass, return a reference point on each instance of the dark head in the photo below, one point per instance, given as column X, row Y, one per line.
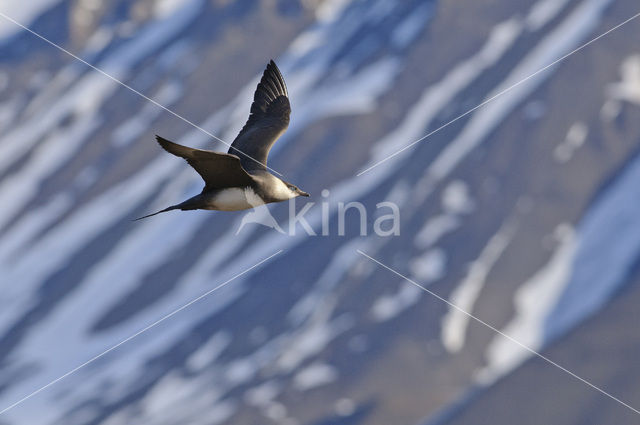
column 294, row 190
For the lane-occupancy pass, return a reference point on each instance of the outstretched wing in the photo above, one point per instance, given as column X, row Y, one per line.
column 269, row 118
column 218, row 170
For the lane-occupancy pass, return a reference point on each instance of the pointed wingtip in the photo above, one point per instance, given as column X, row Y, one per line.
column 161, row 141
column 273, row 72
column 269, row 67
column 272, row 65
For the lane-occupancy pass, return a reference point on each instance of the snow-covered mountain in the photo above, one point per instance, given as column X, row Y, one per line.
column 523, row 211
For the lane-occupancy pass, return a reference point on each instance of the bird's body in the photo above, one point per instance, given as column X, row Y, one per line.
column 239, row 179
column 267, row 189
column 234, row 199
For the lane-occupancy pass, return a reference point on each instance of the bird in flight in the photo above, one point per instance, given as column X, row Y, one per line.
column 239, row 179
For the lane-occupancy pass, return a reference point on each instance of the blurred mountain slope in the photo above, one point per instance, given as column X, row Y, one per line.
column 602, row 350
column 516, row 212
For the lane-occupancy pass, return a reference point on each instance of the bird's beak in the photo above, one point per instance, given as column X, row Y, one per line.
column 301, row 193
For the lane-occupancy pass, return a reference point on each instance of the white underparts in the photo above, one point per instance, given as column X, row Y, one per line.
column 235, row 199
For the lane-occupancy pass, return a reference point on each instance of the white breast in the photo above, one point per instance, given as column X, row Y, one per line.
column 235, row 199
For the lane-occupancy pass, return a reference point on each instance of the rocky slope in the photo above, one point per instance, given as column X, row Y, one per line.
column 524, row 213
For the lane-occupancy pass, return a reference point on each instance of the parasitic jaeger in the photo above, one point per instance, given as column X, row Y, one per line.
column 239, row 179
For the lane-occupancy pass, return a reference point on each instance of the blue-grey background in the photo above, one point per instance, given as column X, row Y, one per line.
column 525, row 213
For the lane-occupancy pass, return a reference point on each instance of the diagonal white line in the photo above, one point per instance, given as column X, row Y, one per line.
column 138, row 333
column 492, row 98
column 515, row 341
column 131, row 88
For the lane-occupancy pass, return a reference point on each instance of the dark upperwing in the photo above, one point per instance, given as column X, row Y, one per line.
column 218, row 170
column 269, row 118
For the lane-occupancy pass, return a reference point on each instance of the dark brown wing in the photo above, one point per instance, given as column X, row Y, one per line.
column 218, row 170
column 269, row 118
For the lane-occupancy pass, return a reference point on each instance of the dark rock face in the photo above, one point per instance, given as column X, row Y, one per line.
column 523, row 212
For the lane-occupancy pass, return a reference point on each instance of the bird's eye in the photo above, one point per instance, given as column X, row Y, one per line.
column 292, row 188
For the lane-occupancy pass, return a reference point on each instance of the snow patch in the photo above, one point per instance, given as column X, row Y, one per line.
column 345, row 407
column 133, row 128
column 314, row 375
column 430, row 266
column 465, row 295
column 456, row 199
column 263, row 395
column 434, row 229
column 534, row 301
column 543, row 12
column 410, row 27
column 608, row 250
column 330, row 10
column 628, row 89
column 163, row 8
column 389, row 306
column 575, row 138
column 209, row 352
column 561, row 40
column 311, row 340
column 24, row 12
column 436, row 97
column 610, row 110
